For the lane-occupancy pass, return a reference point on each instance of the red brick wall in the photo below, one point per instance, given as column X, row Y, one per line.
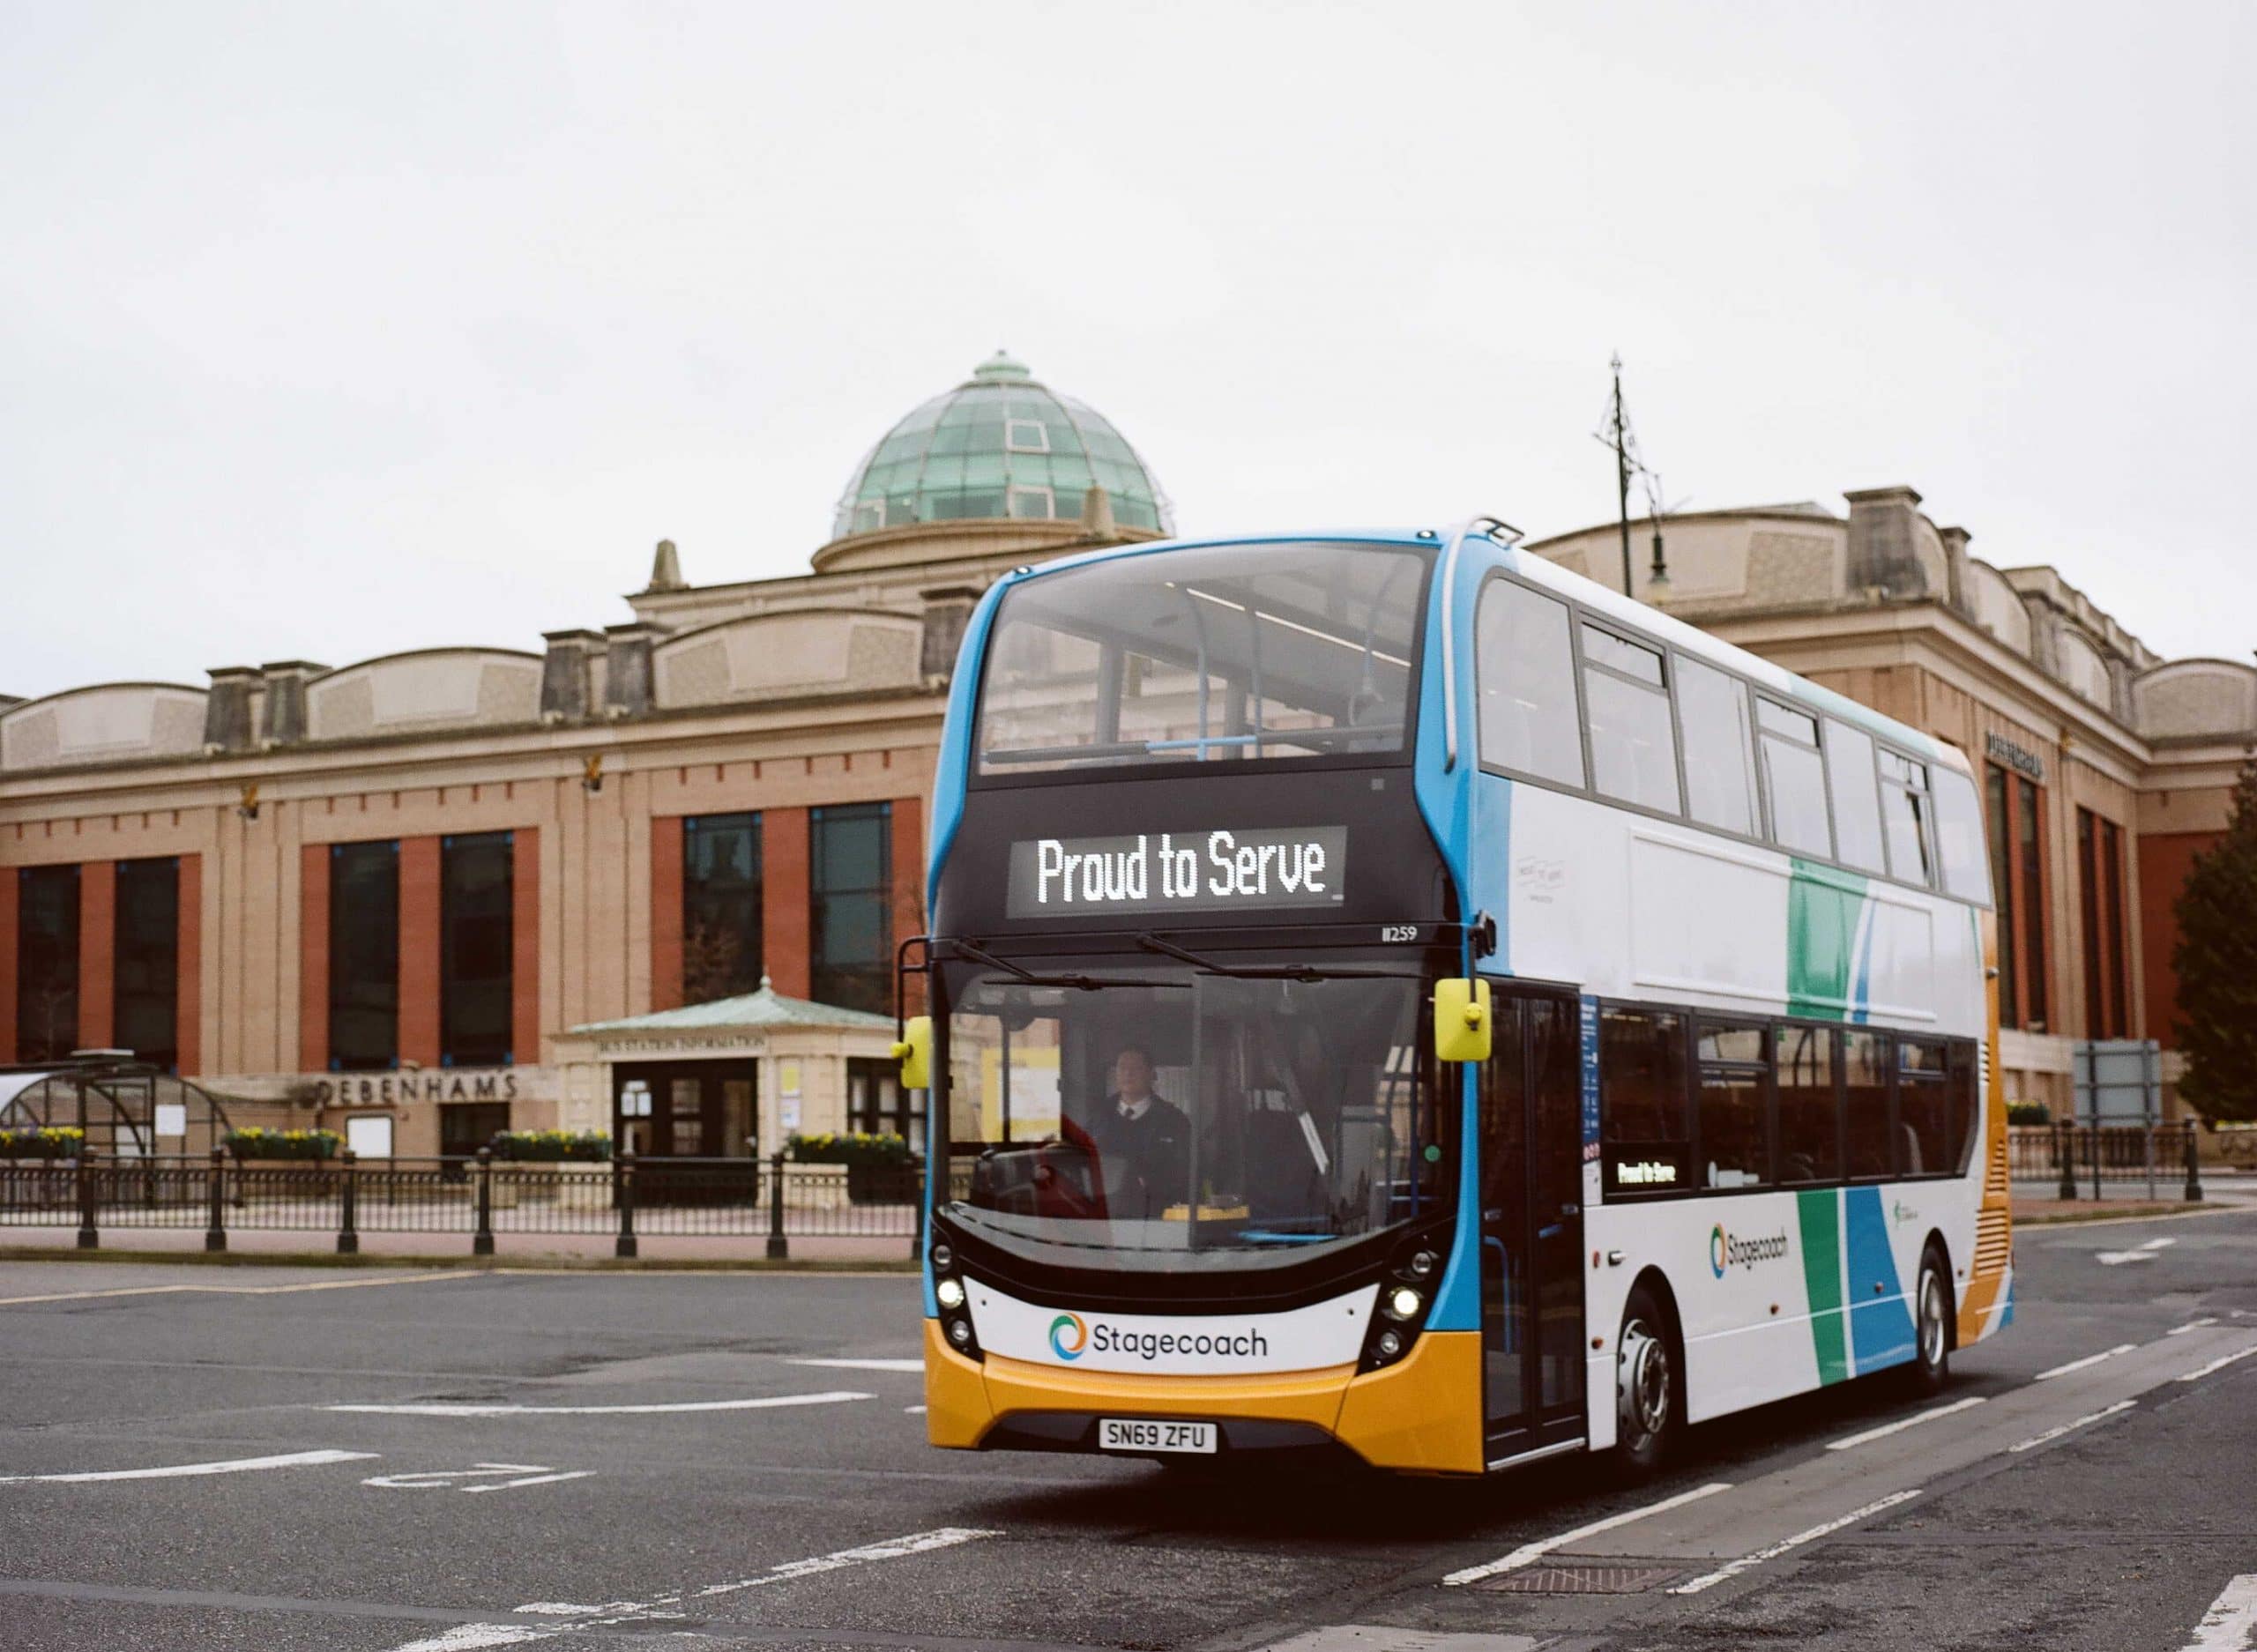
column 8, row 882
column 97, row 953
column 190, row 996
column 419, row 950
column 909, row 886
column 786, row 930
column 2164, row 860
column 313, row 957
column 666, row 913
column 525, row 945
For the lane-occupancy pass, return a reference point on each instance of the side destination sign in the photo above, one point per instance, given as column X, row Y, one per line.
column 1178, row 872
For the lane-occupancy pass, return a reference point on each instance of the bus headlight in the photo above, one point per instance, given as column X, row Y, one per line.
column 1423, row 1265
column 944, row 1258
column 1403, row 1303
column 1389, row 1345
column 960, row 1332
column 949, row 1293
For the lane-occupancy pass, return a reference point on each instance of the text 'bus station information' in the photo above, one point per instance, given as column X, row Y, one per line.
column 1178, row 872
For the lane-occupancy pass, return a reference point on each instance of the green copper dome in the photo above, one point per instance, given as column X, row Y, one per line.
column 999, row 444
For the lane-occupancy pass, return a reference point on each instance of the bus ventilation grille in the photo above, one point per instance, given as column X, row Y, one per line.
column 1993, row 1248
column 1592, row 1578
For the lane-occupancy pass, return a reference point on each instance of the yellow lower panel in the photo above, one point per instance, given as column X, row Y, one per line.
column 1424, row 1414
column 957, row 1412
column 1303, row 1397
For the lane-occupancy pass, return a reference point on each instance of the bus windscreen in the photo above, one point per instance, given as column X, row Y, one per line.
column 1238, row 653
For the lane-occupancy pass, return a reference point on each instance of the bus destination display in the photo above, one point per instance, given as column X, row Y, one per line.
column 1178, row 872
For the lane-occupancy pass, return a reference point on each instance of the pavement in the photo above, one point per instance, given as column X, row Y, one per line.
column 396, row 1460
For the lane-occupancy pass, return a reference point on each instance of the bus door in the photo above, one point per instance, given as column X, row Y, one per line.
column 1532, row 1223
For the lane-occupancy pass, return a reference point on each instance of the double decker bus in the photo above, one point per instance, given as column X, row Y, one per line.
column 1388, row 992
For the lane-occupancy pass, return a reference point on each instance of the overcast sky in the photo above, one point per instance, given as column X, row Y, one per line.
column 327, row 331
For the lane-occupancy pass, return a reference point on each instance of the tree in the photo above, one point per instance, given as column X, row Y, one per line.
column 2215, row 960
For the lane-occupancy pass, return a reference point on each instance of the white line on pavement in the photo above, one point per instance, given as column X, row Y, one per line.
column 834, row 1397
column 1902, row 1423
column 2116, row 1259
column 913, row 1410
column 471, row 1637
column 862, row 1364
column 2159, row 1245
column 1734, row 1568
column 538, row 1479
column 2230, row 1624
column 2079, row 1364
column 430, row 1277
column 2219, row 1364
column 1530, row 1551
column 2191, row 1325
column 2050, row 1434
column 183, row 1471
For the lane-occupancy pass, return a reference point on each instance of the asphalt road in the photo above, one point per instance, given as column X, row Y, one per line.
column 454, row 1461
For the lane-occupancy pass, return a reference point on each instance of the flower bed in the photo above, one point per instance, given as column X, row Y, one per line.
column 879, row 1169
column 255, row 1142
column 550, row 1147
column 47, row 1141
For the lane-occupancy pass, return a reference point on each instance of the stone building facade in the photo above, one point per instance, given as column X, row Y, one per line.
column 422, row 886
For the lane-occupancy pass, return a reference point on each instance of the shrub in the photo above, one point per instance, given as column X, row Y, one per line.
column 2029, row 1112
column 57, row 1141
column 886, row 1151
column 255, row 1143
column 551, row 1146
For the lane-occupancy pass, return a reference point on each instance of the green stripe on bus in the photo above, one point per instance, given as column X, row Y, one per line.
column 1822, row 1274
column 1822, row 907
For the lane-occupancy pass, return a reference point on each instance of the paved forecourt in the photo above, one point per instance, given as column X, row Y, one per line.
column 391, row 1459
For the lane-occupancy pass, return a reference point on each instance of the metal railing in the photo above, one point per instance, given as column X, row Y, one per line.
column 2080, row 1160
column 771, row 1200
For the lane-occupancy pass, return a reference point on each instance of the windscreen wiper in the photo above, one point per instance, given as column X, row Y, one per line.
column 1305, row 973
column 1079, row 982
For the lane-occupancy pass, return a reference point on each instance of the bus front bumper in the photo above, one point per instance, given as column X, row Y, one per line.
column 1422, row 1414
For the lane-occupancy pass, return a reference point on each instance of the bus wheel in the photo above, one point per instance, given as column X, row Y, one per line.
column 1931, row 1325
column 1645, row 1388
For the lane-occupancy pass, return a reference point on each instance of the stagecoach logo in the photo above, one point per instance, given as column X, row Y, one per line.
column 1727, row 1253
column 1069, row 1336
column 1174, row 871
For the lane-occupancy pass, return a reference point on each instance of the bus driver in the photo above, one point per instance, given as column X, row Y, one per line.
column 1143, row 1141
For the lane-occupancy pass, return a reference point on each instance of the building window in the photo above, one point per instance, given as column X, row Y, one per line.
column 2018, row 870
column 1720, row 747
column 47, row 962
column 1527, row 683
column 1632, row 747
column 363, row 956
column 146, row 940
column 1641, row 1101
column 2100, row 874
column 1794, row 779
column 720, row 907
column 1026, row 435
column 850, row 869
column 1735, row 1131
column 877, row 1105
column 475, row 948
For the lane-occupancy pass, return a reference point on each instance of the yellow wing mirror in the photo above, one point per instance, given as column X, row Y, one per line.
column 914, row 1052
column 1462, row 1020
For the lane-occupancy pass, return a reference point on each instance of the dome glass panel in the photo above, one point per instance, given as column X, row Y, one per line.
column 999, row 446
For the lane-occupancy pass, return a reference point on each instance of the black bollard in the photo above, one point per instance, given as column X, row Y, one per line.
column 780, row 1248
column 481, row 1242
column 215, row 1233
column 88, row 1239
column 625, row 1176
column 2194, row 1165
column 348, row 1207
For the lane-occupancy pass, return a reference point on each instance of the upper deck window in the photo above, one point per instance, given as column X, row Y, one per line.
column 1233, row 654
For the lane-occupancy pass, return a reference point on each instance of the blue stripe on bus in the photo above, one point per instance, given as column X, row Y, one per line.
column 1881, row 1323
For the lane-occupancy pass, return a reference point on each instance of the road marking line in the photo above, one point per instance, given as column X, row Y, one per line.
column 2191, row 1325
column 2036, row 1440
column 2219, row 1364
column 833, row 1397
column 2079, row 1364
column 1902, row 1423
column 1531, row 1551
column 538, row 1479
column 183, row 1471
column 861, row 1365
column 232, row 1290
column 2159, row 1245
column 1732, row 1569
column 2230, row 1624
column 913, row 1411
column 2116, row 1259
column 471, row 1637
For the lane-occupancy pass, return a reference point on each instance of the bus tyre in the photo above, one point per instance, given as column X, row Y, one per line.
column 1646, row 1401
column 1931, row 1325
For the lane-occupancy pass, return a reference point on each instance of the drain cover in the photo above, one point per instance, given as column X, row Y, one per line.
column 1595, row 1578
